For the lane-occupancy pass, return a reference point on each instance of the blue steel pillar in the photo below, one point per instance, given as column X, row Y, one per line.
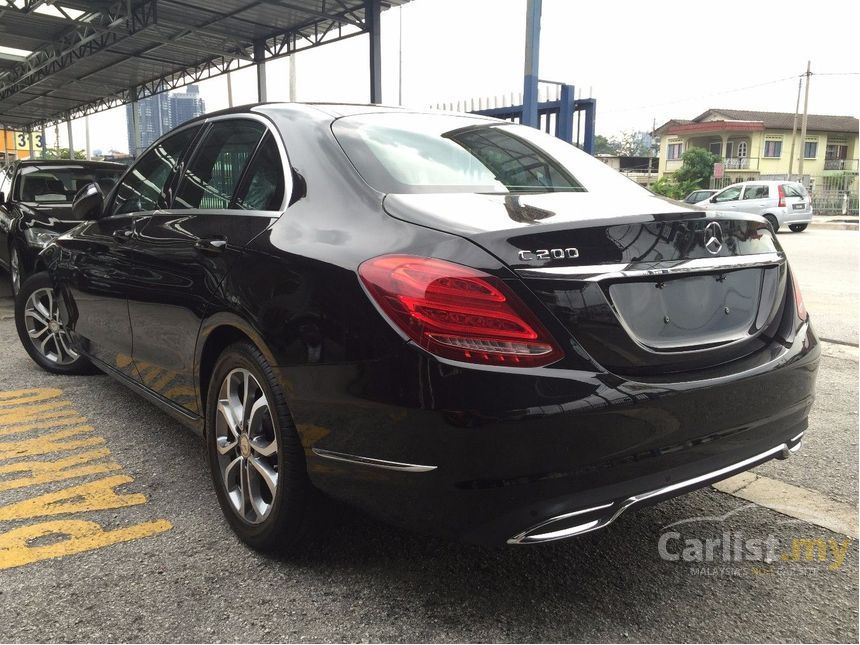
column 530, row 76
column 590, row 113
column 372, row 12
column 564, row 124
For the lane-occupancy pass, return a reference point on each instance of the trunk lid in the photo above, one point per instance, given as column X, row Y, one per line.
column 644, row 286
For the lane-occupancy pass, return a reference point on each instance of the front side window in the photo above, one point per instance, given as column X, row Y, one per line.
column 772, row 149
column 144, row 187
column 410, row 153
column 59, row 184
column 214, row 173
column 263, row 186
column 673, row 151
column 756, row 191
column 729, row 194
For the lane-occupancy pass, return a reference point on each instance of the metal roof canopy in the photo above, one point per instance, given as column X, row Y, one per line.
column 99, row 54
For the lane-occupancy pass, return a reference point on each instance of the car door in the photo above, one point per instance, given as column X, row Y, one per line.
column 6, row 214
column 755, row 199
column 99, row 268
column 230, row 191
column 726, row 199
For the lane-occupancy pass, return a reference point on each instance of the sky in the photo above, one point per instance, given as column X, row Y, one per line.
column 644, row 62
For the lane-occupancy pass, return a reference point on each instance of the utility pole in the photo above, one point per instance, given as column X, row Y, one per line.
column 805, row 116
column 794, row 130
column 651, row 149
column 400, row 57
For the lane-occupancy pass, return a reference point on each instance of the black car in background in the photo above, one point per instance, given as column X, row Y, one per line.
column 36, row 206
column 462, row 325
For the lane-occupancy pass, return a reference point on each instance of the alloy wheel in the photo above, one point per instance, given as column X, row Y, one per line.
column 247, row 445
column 46, row 327
column 15, row 270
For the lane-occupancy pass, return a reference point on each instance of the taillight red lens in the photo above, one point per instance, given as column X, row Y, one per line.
column 799, row 307
column 458, row 312
column 781, row 192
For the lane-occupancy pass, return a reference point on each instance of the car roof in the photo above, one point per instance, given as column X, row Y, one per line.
column 80, row 163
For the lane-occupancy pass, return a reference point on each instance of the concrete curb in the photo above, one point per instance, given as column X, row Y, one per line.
column 834, row 226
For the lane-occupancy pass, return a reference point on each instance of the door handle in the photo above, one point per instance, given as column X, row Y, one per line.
column 122, row 234
column 211, row 244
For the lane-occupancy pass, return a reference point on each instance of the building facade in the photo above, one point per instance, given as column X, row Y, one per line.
column 758, row 145
column 159, row 114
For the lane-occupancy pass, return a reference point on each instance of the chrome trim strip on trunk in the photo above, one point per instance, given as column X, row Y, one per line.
column 370, row 461
column 595, row 272
column 534, row 535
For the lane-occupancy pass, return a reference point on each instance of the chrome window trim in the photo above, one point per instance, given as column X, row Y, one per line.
column 370, row 461
column 597, row 272
column 282, row 151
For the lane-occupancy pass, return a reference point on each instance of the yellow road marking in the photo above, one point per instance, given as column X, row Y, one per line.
column 48, row 443
column 45, row 409
column 37, row 412
column 41, row 425
column 92, row 496
column 20, row 397
column 42, row 472
column 16, row 550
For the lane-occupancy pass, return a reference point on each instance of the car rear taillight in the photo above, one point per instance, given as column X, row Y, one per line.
column 781, row 192
column 799, row 307
column 458, row 312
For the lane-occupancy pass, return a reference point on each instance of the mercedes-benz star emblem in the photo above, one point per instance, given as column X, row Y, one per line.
column 713, row 238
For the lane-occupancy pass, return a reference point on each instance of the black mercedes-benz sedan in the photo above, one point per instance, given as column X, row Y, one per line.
column 36, row 206
column 462, row 325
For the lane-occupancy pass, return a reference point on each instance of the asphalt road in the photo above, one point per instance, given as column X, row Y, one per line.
column 174, row 571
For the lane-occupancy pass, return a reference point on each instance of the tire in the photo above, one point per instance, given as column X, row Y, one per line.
column 264, row 519
column 798, row 228
column 16, row 268
column 774, row 223
column 41, row 319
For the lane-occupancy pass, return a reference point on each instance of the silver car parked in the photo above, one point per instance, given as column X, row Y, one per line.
column 782, row 203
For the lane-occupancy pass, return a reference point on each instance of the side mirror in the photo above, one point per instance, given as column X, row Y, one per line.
column 713, row 199
column 2, row 198
column 88, row 203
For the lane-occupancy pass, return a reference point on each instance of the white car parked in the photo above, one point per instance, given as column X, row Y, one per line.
column 780, row 202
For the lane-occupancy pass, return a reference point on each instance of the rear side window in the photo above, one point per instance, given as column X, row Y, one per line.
column 410, row 153
column 214, row 173
column 143, row 188
column 756, row 191
column 262, row 188
column 790, row 190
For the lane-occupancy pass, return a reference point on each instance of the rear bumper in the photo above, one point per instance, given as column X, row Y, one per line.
column 795, row 217
column 493, row 457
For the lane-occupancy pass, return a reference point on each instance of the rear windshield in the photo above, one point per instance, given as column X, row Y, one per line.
column 59, row 184
column 423, row 153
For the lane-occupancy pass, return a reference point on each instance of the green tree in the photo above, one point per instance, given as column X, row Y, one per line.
column 697, row 167
column 63, row 153
column 604, row 146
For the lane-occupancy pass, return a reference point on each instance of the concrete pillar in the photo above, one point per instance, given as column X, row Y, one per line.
column 30, row 142
column 71, row 138
column 372, row 12
column 135, row 125
column 260, row 61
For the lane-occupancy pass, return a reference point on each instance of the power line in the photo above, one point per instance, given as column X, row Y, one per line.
column 699, row 96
